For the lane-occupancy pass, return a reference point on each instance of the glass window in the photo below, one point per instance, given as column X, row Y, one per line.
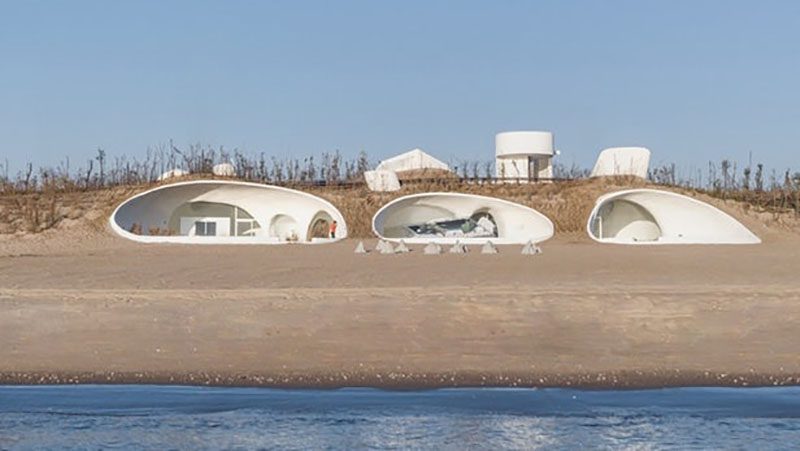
column 204, row 228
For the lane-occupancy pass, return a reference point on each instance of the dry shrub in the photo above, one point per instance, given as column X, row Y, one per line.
column 567, row 203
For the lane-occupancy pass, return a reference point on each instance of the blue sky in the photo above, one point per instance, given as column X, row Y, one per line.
column 692, row 80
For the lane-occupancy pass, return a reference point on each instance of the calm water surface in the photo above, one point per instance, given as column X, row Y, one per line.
column 160, row 417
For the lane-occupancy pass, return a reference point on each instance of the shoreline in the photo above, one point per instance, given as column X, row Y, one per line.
column 615, row 380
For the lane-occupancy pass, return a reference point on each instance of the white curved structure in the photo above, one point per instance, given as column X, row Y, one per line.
column 223, row 170
column 226, row 212
column 382, row 180
column 525, row 155
column 415, row 159
column 647, row 216
column 172, row 174
column 622, row 161
column 469, row 219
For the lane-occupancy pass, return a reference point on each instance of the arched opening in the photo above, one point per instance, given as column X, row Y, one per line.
column 320, row 226
column 412, row 220
column 284, row 228
column 626, row 221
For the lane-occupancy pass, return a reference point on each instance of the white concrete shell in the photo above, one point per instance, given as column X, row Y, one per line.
column 236, row 213
column 514, row 223
column 618, row 161
column 647, row 216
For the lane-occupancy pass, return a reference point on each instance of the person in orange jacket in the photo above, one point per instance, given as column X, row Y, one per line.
column 333, row 229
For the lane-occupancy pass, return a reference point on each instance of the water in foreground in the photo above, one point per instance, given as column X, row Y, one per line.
column 158, row 417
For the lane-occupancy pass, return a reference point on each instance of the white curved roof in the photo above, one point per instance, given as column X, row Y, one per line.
column 172, row 173
column 411, row 160
column 620, row 161
column 265, row 203
column 522, row 143
column 648, row 216
column 516, row 224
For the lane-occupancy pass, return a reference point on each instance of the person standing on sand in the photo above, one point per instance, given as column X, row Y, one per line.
column 333, row 229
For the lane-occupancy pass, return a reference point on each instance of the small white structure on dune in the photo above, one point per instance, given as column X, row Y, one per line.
column 524, row 155
column 447, row 218
column 385, row 177
column 382, row 180
column 412, row 160
column 226, row 212
column 647, row 216
column 622, row 161
column 172, row 174
column 223, row 170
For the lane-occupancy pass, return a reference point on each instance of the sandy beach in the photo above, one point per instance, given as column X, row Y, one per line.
column 582, row 314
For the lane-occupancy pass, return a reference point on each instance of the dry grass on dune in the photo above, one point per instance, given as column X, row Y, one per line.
column 566, row 203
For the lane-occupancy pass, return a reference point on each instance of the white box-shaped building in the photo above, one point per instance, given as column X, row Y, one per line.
column 226, row 212
column 524, row 155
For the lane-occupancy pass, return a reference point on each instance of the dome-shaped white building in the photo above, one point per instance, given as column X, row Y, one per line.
column 449, row 217
column 226, row 212
column 648, row 216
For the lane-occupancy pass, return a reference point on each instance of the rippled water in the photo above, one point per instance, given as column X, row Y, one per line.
column 159, row 417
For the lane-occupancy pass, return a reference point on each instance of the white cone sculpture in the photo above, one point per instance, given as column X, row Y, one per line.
column 458, row 248
column 489, row 248
column 381, row 246
column 360, row 249
column 432, row 249
column 402, row 248
column 386, row 248
column 531, row 249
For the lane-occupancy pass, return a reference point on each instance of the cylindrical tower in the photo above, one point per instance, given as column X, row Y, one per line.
column 524, row 155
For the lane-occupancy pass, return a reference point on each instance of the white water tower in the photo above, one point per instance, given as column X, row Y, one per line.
column 524, row 155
